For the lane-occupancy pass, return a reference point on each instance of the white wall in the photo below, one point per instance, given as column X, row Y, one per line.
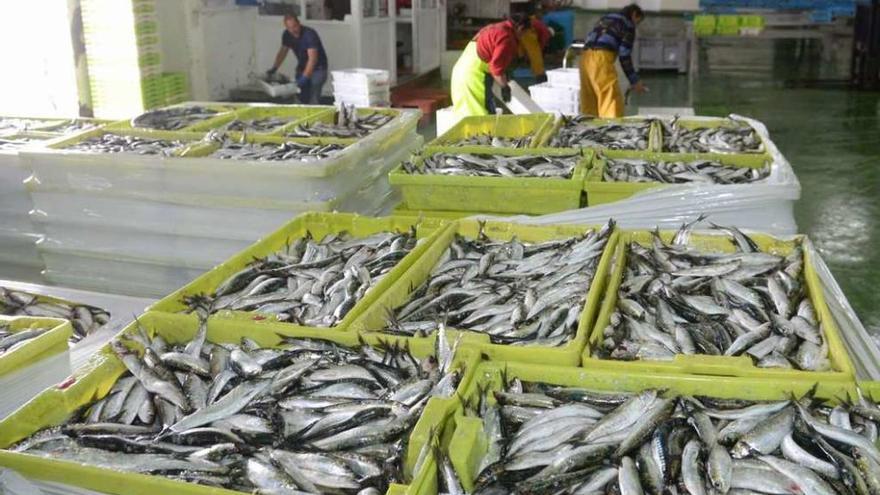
column 39, row 76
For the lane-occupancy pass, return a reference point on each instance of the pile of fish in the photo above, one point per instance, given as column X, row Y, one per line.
column 679, row 172
column 115, row 143
column 235, row 150
column 10, row 341
column 490, row 140
column 741, row 139
column 347, row 124
column 85, row 319
column 582, row 132
column 172, row 119
column 307, row 417
column 311, row 283
column 549, row 439
column 487, row 165
column 267, row 124
column 676, row 299
column 517, row 293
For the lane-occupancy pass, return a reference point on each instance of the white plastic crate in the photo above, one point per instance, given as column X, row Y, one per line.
column 565, row 78
column 361, row 77
column 361, row 101
column 545, row 93
column 362, row 91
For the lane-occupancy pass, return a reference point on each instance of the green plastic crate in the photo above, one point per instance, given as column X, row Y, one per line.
column 653, row 133
column 727, row 25
column 738, row 366
column 469, row 443
column 511, row 195
column 711, row 124
column 187, row 137
column 600, row 192
column 48, row 344
column 97, row 377
column 401, row 210
column 504, row 126
column 293, row 113
column 319, row 225
column 704, row 25
column 375, row 317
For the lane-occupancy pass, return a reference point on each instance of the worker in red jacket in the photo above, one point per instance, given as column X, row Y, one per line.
column 484, row 61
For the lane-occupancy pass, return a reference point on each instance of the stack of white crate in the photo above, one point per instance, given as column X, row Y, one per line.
column 362, row 87
column 561, row 93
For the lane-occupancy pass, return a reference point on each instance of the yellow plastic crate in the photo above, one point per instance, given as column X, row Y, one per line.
column 294, row 114
column 711, row 124
column 526, row 195
column 48, row 344
column 600, row 192
column 401, row 210
column 738, row 366
column 504, row 126
column 319, row 225
column 376, row 316
column 468, row 445
column 328, row 116
column 187, row 137
column 125, row 125
column 96, row 378
column 653, row 134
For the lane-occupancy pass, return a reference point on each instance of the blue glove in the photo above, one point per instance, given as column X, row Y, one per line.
column 301, row 80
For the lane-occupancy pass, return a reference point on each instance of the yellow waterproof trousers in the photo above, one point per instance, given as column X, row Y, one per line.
column 531, row 48
column 468, row 85
column 600, row 92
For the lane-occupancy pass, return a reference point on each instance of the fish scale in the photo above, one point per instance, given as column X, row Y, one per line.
column 295, row 425
column 647, row 442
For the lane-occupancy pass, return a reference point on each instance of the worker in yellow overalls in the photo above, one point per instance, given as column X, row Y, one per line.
column 484, row 61
column 532, row 44
column 612, row 38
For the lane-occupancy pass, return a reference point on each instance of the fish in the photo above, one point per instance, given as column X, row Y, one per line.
column 680, row 172
column 236, row 150
column 245, row 439
column 722, row 139
column 119, row 143
column 583, row 132
column 263, row 125
column 85, row 319
column 347, row 124
column 673, row 454
column 18, row 142
column 488, row 165
column 697, row 301
column 517, row 293
column 309, row 282
column 488, row 139
column 173, row 118
column 12, row 340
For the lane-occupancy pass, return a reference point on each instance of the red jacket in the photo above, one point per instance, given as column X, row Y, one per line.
column 497, row 46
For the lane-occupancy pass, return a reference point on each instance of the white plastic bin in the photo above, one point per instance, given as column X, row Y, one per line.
column 564, row 78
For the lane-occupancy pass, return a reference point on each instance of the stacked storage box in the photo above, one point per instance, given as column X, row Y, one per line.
column 561, row 93
column 362, row 87
column 18, row 235
column 143, row 225
column 123, row 53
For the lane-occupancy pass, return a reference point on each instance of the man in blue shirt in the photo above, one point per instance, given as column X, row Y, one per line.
column 611, row 38
column 311, row 59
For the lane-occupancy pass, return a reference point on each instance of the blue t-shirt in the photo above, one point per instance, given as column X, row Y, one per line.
column 308, row 38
